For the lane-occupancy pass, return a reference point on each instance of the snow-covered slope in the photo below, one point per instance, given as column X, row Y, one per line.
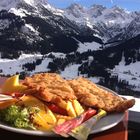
column 90, row 46
column 129, row 73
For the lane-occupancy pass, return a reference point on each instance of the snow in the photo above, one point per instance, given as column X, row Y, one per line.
column 58, row 55
column 11, row 67
column 130, row 73
column 30, row 33
column 70, row 71
column 94, row 79
column 43, row 66
column 88, row 23
column 19, row 12
column 30, row 2
column 29, row 26
column 114, row 15
column 110, row 16
column 78, row 20
column 54, row 10
column 78, row 14
column 84, row 47
column 81, row 20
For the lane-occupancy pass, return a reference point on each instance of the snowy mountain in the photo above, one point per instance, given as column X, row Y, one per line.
column 112, row 22
column 99, row 43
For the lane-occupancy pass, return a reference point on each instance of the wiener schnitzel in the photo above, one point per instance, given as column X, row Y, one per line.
column 91, row 95
column 51, row 87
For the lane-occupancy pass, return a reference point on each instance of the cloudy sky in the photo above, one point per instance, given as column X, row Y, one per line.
column 131, row 5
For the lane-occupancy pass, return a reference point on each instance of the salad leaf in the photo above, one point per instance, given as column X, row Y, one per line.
column 17, row 116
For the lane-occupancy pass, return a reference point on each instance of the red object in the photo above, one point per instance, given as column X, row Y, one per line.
column 17, row 94
column 89, row 114
column 56, row 109
column 67, row 126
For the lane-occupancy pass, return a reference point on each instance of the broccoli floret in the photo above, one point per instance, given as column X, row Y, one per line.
column 17, row 116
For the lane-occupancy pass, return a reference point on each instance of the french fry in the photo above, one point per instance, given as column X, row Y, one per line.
column 70, row 110
column 73, row 107
column 77, row 107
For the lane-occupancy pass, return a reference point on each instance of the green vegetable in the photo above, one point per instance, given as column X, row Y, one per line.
column 18, row 116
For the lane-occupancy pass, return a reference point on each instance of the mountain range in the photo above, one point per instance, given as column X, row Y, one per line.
column 100, row 43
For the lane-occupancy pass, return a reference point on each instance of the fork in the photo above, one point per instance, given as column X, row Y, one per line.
column 5, row 97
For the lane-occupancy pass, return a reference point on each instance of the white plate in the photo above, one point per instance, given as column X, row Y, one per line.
column 105, row 123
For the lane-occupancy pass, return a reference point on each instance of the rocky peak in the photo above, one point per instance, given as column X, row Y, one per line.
column 76, row 10
column 96, row 10
column 8, row 4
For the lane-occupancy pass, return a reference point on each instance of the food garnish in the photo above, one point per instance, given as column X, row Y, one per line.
column 12, row 84
column 17, row 116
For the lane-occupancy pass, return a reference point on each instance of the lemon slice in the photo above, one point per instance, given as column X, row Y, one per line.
column 12, row 85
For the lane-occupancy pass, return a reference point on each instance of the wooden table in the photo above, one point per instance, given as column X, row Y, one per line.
column 118, row 132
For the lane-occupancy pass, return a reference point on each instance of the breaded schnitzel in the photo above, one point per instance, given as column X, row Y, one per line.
column 91, row 95
column 51, row 87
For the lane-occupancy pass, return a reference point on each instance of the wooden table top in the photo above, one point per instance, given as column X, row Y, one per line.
column 118, row 132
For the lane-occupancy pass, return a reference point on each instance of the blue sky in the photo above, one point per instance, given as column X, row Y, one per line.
column 131, row 5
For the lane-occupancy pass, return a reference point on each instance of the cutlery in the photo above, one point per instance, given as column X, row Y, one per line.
column 4, row 97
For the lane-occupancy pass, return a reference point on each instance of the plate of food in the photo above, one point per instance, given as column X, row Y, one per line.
column 45, row 104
